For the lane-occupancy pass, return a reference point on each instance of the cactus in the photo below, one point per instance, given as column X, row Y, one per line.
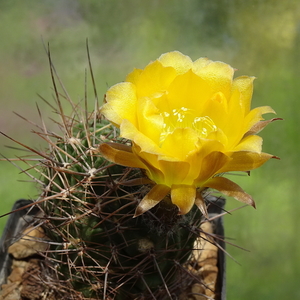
column 97, row 249
column 89, row 214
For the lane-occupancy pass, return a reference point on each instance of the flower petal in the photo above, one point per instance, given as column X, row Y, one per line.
column 121, row 157
column 150, row 122
column 200, row 63
column 129, row 131
column 155, row 78
column 217, row 109
column 152, row 163
column 211, row 165
column 121, row 103
column 156, row 194
column 232, row 124
column 256, row 128
column 218, row 76
column 244, row 86
column 204, row 147
column 181, row 63
column 245, row 161
column 183, row 196
column 251, row 143
column 255, row 115
column 191, row 86
column 133, row 77
column 174, row 145
column 174, row 171
column 229, row 188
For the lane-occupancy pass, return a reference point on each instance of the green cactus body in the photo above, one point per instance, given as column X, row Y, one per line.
column 97, row 247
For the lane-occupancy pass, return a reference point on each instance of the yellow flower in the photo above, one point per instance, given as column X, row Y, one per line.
column 189, row 122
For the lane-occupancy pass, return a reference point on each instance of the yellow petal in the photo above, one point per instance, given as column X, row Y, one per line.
column 121, row 157
column 204, row 147
column 174, row 171
column 191, row 86
column 156, row 194
column 217, row 109
column 155, row 78
column 181, row 63
column 244, row 86
column 134, row 75
column 219, row 136
column 200, row 63
column 136, row 181
column 121, row 103
column 229, row 188
column 255, row 115
column 245, row 161
column 151, row 161
column 232, row 125
column 251, row 143
column 129, row 131
column 150, row 122
column 183, row 196
column 211, row 165
column 180, row 143
column 217, row 76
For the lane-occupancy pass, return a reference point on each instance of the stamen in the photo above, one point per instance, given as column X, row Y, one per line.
column 185, row 118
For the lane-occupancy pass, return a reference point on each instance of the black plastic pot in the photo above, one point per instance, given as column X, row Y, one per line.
column 215, row 209
column 15, row 225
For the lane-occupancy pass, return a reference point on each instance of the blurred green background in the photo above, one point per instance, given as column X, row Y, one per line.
column 260, row 38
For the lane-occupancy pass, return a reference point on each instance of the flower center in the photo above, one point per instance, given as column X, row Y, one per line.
column 185, row 118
